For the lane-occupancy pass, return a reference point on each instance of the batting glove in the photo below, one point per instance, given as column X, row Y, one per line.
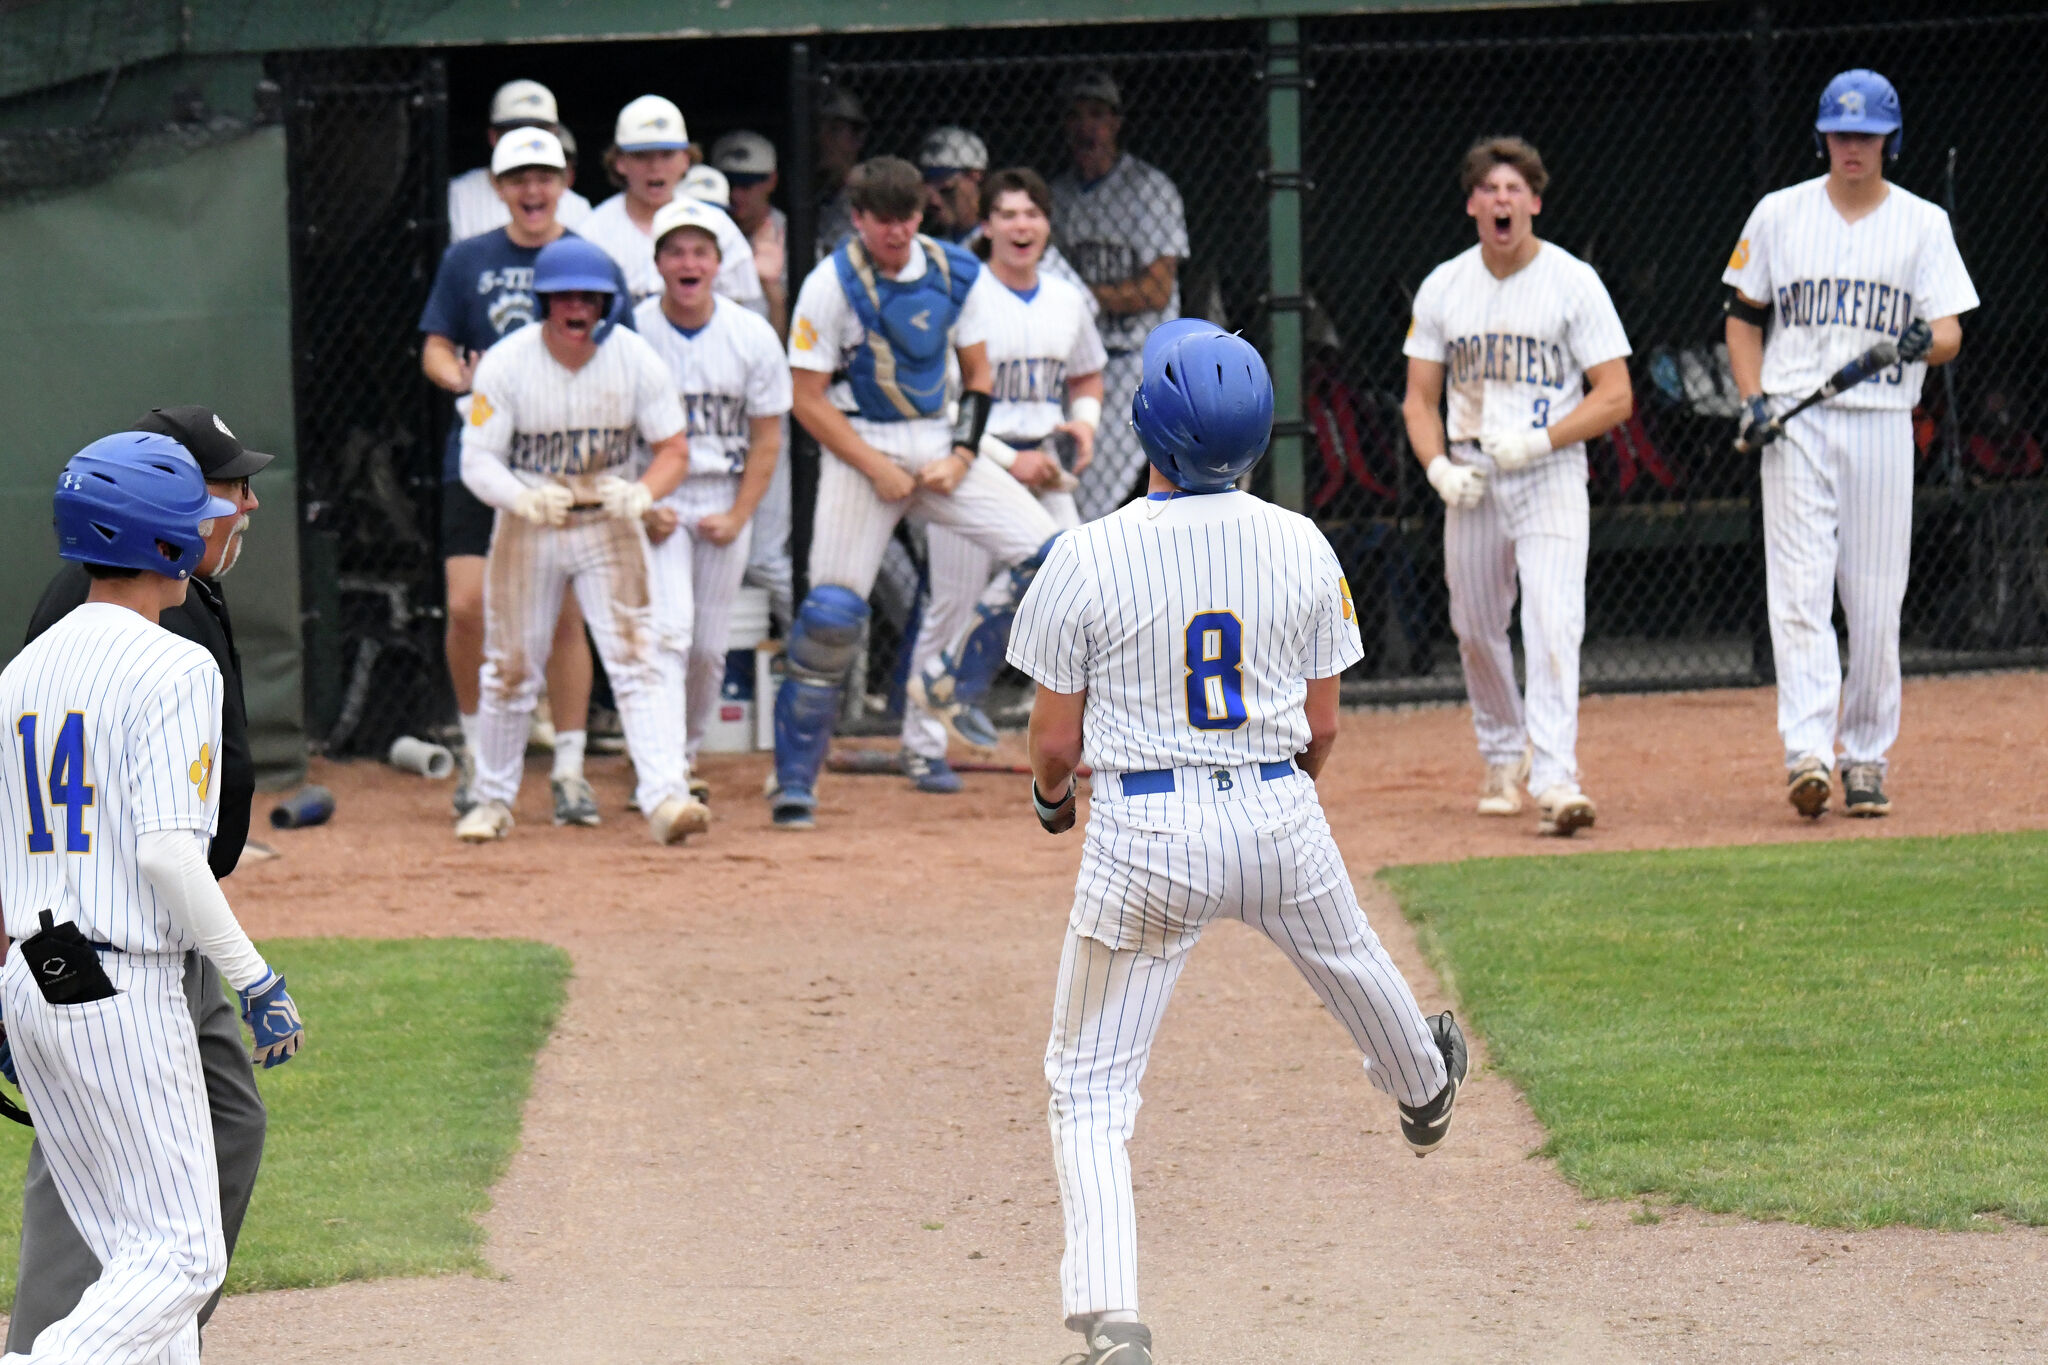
column 1058, row 817
column 1512, row 448
column 547, row 505
column 624, row 500
column 1915, row 341
column 1758, row 430
column 273, row 1017
column 1458, row 485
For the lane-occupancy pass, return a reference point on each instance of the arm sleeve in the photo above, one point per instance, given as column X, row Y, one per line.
column 769, row 389
column 1596, row 331
column 1333, row 643
column 174, row 861
column 657, row 409
column 971, row 327
column 1088, row 356
column 443, row 314
column 175, row 740
column 1426, row 325
column 815, row 321
column 487, row 476
column 487, row 436
column 1942, row 286
column 1749, row 265
column 1052, row 639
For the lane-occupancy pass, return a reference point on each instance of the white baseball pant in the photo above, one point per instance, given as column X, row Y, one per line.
column 1155, row 870
column 957, row 571
column 1838, row 515
column 1532, row 525
column 119, row 1100
column 693, row 583
column 1107, row 482
column 605, row 559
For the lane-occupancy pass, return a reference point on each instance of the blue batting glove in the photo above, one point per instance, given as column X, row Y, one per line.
column 1756, row 423
column 273, row 1018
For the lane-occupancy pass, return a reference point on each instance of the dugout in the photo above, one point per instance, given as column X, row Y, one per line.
column 295, row 154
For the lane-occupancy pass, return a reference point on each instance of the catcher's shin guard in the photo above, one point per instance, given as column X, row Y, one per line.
column 964, row 672
column 822, row 643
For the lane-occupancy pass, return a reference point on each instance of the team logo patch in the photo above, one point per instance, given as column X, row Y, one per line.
column 479, row 410
column 1740, row 257
column 922, row 320
column 1411, row 326
column 1851, row 102
column 201, row 771
column 806, row 336
column 223, row 427
column 1344, row 591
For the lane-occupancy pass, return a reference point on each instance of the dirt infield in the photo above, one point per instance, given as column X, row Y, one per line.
column 795, row 1112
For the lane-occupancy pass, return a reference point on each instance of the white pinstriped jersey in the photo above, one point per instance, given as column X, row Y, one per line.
column 548, row 423
column 1114, row 227
column 1836, row 287
column 1194, row 624
column 1036, row 342
column 726, row 373
column 611, row 228
column 115, row 727
column 1514, row 351
column 474, row 206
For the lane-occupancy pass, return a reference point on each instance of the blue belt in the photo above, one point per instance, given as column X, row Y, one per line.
column 1152, row 781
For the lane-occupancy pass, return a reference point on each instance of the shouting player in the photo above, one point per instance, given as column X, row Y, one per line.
column 1196, row 638
column 106, row 809
column 727, row 366
column 474, row 203
column 885, row 310
column 1043, row 350
column 1515, row 328
column 548, row 443
column 1841, row 260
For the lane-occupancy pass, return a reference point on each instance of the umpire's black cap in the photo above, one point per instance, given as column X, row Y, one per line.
column 221, row 454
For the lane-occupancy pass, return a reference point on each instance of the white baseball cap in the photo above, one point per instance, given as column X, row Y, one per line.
column 523, row 147
column 523, row 102
column 709, row 184
column 952, row 149
column 651, row 124
column 744, row 154
column 685, row 212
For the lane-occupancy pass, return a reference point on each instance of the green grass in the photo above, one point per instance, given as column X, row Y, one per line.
column 1848, row 1034
column 388, row 1131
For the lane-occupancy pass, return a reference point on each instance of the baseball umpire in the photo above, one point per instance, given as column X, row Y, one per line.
column 56, row 1264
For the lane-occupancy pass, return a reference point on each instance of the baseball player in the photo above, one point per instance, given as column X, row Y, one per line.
column 842, row 131
column 1831, row 266
column 874, row 326
column 648, row 159
column 56, row 1264
column 1516, row 328
column 1196, row 638
column 954, row 162
column 474, row 204
column 106, row 809
column 1120, row 221
column 482, row 291
column 1042, row 348
column 727, row 367
column 548, row 442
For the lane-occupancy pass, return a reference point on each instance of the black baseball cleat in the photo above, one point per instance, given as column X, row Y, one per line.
column 1863, row 790
column 1426, row 1126
column 1116, row 1343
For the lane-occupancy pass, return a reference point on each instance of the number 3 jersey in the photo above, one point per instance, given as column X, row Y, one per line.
column 1194, row 624
column 1515, row 352
column 113, row 731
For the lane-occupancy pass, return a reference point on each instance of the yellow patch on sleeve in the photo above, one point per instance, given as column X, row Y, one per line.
column 480, row 410
column 201, row 771
column 1740, row 258
column 1411, row 326
column 1344, row 591
column 806, row 336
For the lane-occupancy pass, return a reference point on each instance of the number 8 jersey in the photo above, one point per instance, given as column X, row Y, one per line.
column 1194, row 623
column 1514, row 351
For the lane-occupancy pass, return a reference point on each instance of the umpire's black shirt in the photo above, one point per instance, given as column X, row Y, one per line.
column 202, row 619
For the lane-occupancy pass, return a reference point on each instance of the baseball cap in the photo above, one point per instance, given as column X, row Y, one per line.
column 525, row 147
column 568, row 141
column 1095, row 84
column 222, row 456
column 709, row 184
column 520, row 102
column 745, row 157
column 685, row 212
column 949, row 150
column 651, row 124
column 839, row 103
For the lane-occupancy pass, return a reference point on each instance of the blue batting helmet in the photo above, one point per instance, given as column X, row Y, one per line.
column 572, row 263
column 1859, row 101
column 136, row 500
column 1204, row 409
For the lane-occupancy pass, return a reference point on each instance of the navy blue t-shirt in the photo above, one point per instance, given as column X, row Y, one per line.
column 483, row 290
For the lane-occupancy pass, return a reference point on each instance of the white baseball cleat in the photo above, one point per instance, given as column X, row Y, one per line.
column 486, row 821
column 1564, row 811
column 677, row 818
column 1501, row 793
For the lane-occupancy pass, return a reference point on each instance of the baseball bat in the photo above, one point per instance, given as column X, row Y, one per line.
column 1882, row 356
column 884, row 763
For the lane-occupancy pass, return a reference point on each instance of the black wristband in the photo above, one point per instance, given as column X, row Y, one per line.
column 972, row 421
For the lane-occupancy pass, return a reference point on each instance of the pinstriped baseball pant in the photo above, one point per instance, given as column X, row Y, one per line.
column 1155, row 870
column 693, row 583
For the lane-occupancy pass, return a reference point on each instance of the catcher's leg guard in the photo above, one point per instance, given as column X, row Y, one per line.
column 961, row 675
column 821, row 646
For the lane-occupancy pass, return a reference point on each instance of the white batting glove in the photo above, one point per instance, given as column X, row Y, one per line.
column 626, row 500
column 1458, row 485
column 1513, row 448
column 547, row 505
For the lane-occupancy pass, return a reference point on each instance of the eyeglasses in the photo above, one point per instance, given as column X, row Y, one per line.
column 229, row 488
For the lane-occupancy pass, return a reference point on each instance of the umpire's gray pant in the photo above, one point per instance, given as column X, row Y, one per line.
column 56, row 1264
